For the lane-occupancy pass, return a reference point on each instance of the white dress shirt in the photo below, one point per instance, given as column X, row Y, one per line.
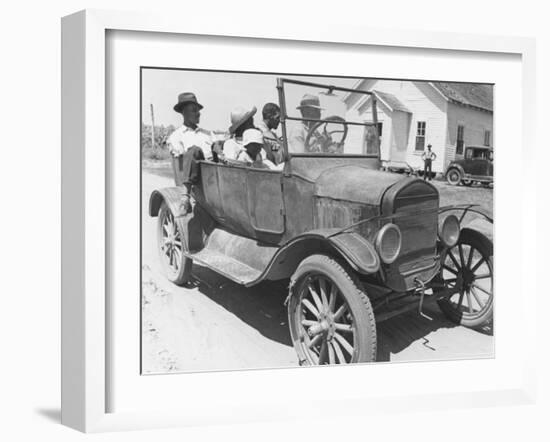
column 184, row 137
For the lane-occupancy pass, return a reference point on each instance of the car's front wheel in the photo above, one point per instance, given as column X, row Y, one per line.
column 172, row 245
column 467, row 271
column 454, row 177
column 330, row 316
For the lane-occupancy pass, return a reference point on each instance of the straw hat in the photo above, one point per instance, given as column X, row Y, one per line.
column 309, row 100
column 252, row 136
column 239, row 115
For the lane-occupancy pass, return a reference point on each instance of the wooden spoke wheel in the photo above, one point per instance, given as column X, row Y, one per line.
column 330, row 316
column 467, row 269
column 172, row 245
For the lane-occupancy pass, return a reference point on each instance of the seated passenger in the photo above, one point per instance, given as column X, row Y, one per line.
column 253, row 142
column 271, row 114
column 310, row 108
column 241, row 120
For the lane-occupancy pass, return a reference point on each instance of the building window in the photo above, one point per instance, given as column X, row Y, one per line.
column 420, row 135
column 460, row 140
column 487, row 138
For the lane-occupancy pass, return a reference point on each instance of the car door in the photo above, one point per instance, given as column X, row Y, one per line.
column 265, row 201
column 479, row 163
column 468, row 161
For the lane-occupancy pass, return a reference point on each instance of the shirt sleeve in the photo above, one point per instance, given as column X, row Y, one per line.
column 296, row 140
column 175, row 146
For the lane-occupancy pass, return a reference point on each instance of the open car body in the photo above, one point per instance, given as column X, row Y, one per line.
column 251, row 224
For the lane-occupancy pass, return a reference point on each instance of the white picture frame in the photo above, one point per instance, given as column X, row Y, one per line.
column 85, row 307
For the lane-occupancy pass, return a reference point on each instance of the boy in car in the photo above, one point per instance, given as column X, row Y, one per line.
column 253, row 143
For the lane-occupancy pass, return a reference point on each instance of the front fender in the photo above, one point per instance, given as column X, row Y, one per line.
column 455, row 166
column 172, row 196
column 357, row 251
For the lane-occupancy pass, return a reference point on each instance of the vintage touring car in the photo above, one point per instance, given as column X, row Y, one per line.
column 358, row 245
column 477, row 165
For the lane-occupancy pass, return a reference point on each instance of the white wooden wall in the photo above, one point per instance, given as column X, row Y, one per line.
column 474, row 121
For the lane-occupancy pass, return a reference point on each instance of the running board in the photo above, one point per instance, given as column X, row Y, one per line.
column 236, row 257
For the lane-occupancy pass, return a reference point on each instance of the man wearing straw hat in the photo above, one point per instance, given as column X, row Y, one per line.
column 310, row 108
column 188, row 144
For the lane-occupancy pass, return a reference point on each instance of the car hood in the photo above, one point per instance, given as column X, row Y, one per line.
column 355, row 184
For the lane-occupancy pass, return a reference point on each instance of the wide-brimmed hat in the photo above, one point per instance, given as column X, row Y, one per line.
column 184, row 98
column 252, row 136
column 239, row 115
column 309, row 100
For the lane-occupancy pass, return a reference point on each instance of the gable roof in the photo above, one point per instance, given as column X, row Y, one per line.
column 479, row 96
column 391, row 101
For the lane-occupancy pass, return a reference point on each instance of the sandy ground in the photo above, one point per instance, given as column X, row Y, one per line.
column 219, row 325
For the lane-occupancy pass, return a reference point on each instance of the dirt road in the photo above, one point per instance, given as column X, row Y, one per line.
column 219, row 325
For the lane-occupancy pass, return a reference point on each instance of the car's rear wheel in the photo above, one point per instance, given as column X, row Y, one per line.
column 467, row 269
column 171, row 245
column 330, row 316
column 454, row 177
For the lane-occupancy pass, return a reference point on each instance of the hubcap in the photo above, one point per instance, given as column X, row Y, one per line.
column 171, row 242
column 324, row 322
column 469, row 274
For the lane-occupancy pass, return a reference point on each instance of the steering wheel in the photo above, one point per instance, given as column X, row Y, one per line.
column 323, row 142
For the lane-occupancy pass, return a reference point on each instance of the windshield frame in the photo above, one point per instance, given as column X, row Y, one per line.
column 284, row 117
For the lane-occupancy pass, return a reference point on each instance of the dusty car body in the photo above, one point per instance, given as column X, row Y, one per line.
column 358, row 245
column 477, row 165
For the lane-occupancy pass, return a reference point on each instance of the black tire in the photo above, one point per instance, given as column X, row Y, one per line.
column 467, row 183
column 453, row 177
column 344, row 328
column 476, row 287
column 171, row 245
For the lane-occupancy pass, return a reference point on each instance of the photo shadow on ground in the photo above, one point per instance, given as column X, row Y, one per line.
column 262, row 307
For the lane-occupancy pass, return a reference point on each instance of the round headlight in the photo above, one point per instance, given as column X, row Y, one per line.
column 449, row 230
column 388, row 243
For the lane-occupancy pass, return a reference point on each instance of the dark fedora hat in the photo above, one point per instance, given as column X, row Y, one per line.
column 184, row 98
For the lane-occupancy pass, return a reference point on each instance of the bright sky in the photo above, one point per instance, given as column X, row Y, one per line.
column 220, row 92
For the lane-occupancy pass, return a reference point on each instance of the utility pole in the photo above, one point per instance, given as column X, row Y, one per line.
column 152, row 128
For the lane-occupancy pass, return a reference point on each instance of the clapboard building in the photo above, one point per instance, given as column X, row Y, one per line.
column 413, row 114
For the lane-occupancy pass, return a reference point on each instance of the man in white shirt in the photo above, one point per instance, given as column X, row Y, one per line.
column 189, row 133
column 189, row 144
column 428, row 156
column 310, row 108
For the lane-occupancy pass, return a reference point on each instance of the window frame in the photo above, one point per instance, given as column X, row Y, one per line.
column 419, row 136
column 487, row 137
column 459, row 145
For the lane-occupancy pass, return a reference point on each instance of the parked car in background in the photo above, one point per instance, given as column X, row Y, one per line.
column 477, row 165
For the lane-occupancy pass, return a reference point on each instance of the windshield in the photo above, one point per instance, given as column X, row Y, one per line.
column 320, row 120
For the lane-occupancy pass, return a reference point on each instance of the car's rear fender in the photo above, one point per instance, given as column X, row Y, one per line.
column 172, row 196
column 357, row 251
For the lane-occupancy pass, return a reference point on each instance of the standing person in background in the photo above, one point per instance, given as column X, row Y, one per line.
column 241, row 120
column 188, row 144
column 271, row 114
column 428, row 157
